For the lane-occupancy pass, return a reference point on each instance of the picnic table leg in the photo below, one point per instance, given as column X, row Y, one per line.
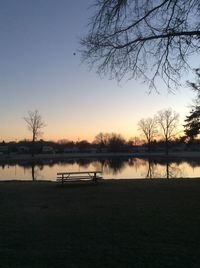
column 95, row 177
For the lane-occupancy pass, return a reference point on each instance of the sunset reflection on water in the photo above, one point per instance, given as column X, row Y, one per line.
column 113, row 168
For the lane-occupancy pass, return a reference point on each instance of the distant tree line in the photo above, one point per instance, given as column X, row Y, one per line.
column 104, row 143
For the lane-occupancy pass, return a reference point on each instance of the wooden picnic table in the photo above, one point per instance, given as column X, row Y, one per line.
column 78, row 176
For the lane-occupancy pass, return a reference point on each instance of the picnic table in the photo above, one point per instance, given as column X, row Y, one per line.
column 78, row 176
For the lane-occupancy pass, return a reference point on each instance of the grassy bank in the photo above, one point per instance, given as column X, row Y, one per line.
column 139, row 223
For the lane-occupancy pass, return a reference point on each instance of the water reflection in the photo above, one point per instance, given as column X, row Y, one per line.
column 114, row 166
column 33, row 169
column 169, row 170
column 36, row 171
column 117, row 168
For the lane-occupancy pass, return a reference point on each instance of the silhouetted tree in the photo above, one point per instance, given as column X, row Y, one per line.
column 148, row 127
column 168, row 122
column 136, row 141
column 101, row 140
column 192, row 126
column 145, row 38
column 115, row 142
column 35, row 124
column 65, row 142
column 83, row 145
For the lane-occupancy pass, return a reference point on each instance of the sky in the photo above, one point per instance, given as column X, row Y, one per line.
column 38, row 70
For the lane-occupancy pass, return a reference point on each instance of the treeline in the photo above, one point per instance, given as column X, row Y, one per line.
column 103, row 143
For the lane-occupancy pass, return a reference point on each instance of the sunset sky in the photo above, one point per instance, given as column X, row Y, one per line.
column 38, row 70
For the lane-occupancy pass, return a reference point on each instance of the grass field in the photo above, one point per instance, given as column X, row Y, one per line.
column 138, row 223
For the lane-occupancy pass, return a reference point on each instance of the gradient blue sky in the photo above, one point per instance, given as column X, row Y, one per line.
column 39, row 71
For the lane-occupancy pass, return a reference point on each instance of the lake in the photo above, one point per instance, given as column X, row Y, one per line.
column 113, row 168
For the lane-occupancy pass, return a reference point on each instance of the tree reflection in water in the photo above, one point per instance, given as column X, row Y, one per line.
column 115, row 167
column 35, row 171
column 151, row 170
column 155, row 168
column 171, row 170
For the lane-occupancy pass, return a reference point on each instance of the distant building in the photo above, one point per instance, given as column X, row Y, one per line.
column 48, row 150
column 4, row 149
column 71, row 149
column 92, row 150
column 104, row 150
column 23, row 149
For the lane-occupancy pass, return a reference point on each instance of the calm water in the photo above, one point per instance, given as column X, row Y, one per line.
column 117, row 168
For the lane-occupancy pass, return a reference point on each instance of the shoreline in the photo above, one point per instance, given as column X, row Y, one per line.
column 25, row 157
column 130, row 181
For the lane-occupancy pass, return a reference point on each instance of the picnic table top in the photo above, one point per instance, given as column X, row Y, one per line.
column 79, row 172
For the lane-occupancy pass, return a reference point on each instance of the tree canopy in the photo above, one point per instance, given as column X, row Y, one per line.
column 192, row 121
column 192, row 126
column 168, row 121
column 148, row 127
column 34, row 124
column 146, row 39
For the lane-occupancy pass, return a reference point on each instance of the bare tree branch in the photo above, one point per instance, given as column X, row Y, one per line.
column 168, row 122
column 148, row 127
column 146, row 39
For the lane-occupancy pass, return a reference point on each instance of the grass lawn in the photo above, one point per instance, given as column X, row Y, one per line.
column 138, row 223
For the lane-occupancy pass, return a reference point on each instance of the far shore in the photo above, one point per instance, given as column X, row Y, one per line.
column 7, row 158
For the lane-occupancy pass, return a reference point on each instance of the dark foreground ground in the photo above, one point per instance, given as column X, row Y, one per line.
column 138, row 223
